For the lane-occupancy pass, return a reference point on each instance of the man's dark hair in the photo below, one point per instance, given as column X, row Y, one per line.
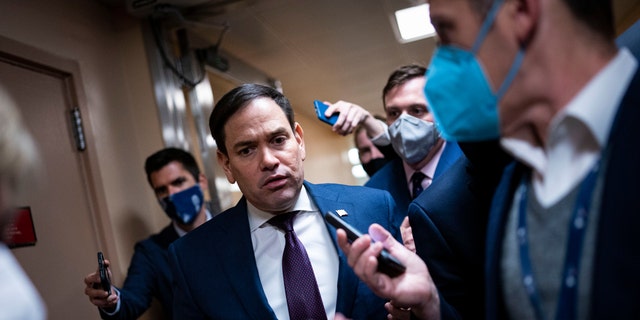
column 401, row 76
column 595, row 14
column 161, row 158
column 236, row 99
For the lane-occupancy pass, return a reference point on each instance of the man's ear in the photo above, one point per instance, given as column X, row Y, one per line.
column 527, row 14
column 299, row 135
column 202, row 181
column 223, row 161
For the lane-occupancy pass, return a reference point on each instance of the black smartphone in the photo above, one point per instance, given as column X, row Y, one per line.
column 105, row 283
column 386, row 262
column 321, row 107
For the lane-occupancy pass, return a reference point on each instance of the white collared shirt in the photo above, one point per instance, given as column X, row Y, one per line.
column 268, row 247
column 576, row 134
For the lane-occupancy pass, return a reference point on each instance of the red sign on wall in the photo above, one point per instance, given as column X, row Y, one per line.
column 22, row 231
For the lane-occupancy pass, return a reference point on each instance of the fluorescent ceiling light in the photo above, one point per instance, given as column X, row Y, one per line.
column 413, row 23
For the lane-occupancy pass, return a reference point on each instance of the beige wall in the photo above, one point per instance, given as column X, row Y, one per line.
column 118, row 95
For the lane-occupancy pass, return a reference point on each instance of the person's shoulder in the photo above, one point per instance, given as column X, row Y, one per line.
column 161, row 239
column 343, row 191
column 386, row 174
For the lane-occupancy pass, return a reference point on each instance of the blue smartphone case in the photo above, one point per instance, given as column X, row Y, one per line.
column 320, row 109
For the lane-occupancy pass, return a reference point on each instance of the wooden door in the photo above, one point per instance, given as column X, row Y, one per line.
column 62, row 200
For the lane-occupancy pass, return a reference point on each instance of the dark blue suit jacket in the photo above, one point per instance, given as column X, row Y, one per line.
column 148, row 276
column 215, row 270
column 615, row 292
column 392, row 178
column 449, row 222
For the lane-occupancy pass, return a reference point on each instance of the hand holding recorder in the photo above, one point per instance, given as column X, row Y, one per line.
column 413, row 289
column 344, row 117
column 387, row 264
column 98, row 285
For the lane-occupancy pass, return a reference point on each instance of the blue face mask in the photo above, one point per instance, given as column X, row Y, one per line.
column 458, row 92
column 183, row 206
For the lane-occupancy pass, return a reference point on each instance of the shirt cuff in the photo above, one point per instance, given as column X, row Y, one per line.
column 117, row 309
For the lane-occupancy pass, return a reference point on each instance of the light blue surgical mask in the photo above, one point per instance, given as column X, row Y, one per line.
column 183, row 206
column 458, row 92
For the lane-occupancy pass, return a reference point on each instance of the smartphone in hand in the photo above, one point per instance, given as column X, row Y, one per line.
column 387, row 264
column 321, row 107
column 105, row 282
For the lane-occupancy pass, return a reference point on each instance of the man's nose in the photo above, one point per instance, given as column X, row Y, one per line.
column 268, row 159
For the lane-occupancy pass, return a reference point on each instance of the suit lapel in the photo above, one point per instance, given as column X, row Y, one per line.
column 618, row 220
column 327, row 200
column 450, row 155
column 239, row 262
column 498, row 215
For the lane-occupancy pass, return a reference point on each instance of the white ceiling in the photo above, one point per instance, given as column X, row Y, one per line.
column 320, row 49
column 327, row 49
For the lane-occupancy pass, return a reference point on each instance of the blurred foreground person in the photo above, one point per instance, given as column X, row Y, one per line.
column 19, row 299
column 546, row 78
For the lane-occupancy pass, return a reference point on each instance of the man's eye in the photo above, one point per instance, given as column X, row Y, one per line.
column 279, row 140
column 418, row 112
column 245, row 151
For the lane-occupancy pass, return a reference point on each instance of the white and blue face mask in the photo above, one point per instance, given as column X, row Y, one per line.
column 458, row 92
column 183, row 206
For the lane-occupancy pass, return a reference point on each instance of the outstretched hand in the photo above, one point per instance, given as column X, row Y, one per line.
column 413, row 289
column 97, row 296
column 352, row 115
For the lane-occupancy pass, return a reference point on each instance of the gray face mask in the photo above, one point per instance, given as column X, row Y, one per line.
column 412, row 138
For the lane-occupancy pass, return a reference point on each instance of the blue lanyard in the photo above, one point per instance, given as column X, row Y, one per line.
column 567, row 299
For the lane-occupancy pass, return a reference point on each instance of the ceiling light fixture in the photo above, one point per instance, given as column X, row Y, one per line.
column 413, row 23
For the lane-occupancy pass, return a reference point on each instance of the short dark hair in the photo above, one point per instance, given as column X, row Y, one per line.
column 161, row 158
column 401, row 76
column 595, row 14
column 236, row 99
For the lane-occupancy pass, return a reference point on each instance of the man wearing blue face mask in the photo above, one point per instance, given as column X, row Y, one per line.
column 177, row 182
column 546, row 77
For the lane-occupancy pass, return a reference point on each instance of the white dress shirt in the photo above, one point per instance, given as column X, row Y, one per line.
column 268, row 247
column 576, row 134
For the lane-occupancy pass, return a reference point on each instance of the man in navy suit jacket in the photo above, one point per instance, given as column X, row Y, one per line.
column 231, row 267
column 169, row 172
column 449, row 222
column 562, row 232
column 403, row 96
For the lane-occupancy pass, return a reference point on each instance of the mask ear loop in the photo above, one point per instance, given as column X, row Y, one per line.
column 486, row 25
column 511, row 75
column 484, row 30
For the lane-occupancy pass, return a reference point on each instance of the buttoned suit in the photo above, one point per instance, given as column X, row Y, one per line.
column 215, row 271
column 615, row 290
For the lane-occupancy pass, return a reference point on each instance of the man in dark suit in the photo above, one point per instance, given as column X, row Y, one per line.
column 449, row 222
column 173, row 174
column 406, row 113
column 233, row 266
column 562, row 232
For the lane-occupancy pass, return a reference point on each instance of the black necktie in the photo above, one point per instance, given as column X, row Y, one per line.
column 303, row 297
column 416, row 181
